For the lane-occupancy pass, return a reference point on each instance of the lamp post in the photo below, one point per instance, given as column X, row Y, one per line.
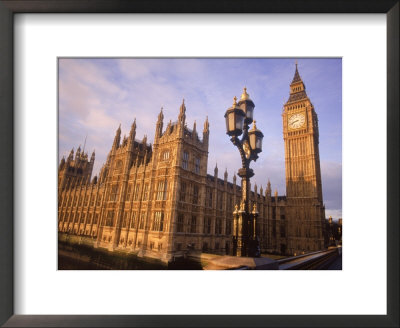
column 238, row 118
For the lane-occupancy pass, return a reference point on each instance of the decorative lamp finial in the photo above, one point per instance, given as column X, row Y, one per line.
column 245, row 95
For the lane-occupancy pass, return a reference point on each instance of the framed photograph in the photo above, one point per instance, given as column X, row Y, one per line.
column 155, row 201
column 149, row 174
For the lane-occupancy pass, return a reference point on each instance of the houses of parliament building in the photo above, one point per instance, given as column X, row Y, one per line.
column 158, row 200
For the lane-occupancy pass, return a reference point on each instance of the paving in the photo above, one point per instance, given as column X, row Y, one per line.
column 234, row 262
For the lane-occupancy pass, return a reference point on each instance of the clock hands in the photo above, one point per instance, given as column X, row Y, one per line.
column 295, row 121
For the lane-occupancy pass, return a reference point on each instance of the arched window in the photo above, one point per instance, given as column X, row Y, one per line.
column 197, row 165
column 165, row 155
column 162, row 190
column 185, row 160
column 158, row 222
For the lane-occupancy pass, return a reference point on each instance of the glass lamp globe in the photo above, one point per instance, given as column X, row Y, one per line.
column 247, row 105
column 256, row 137
column 234, row 118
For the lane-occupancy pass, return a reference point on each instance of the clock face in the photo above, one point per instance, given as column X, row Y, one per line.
column 296, row 121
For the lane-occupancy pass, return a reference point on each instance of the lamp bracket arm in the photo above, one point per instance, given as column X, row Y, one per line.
column 239, row 145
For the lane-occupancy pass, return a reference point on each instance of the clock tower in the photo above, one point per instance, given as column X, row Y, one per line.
column 305, row 210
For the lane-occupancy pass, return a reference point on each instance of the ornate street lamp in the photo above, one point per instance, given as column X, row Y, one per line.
column 238, row 117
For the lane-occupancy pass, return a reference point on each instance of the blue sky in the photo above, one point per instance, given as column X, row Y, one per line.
column 96, row 95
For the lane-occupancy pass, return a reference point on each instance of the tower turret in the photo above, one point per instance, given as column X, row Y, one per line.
column 268, row 190
column 206, row 131
column 182, row 113
column 117, row 138
column 159, row 124
column 194, row 129
column 71, row 155
column 132, row 133
column 62, row 163
column 78, row 153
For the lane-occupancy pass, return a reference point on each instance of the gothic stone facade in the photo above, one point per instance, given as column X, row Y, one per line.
column 158, row 200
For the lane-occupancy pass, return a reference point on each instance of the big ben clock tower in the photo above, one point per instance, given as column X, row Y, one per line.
column 305, row 210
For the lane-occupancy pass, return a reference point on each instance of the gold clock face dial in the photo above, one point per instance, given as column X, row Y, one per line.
column 296, row 121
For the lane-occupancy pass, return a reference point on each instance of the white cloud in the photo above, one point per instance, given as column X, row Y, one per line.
column 96, row 95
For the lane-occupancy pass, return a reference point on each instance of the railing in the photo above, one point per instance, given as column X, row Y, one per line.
column 311, row 261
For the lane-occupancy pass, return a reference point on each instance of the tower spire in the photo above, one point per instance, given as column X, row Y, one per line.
column 133, row 127
column 194, row 128
column 296, row 77
column 84, row 144
column 159, row 124
column 182, row 111
column 206, row 125
column 117, row 138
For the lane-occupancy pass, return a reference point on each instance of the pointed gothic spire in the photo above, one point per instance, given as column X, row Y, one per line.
column 216, row 170
column 161, row 115
column 168, row 130
column 206, row 125
column 132, row 133
column 159, row 124
column 78, row 153
column 297, row 89
column 226, row 174
column 194, row 127
column 296, row 77
column 182, row 111
column 62, row 163
column 206, row 133
column 206, row 128
column 71, row 155
column 117, row 138
column 84, row 144
column 268, row 190
column 234, row 178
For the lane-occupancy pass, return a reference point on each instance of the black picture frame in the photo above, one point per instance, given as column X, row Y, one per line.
column 7, row 10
